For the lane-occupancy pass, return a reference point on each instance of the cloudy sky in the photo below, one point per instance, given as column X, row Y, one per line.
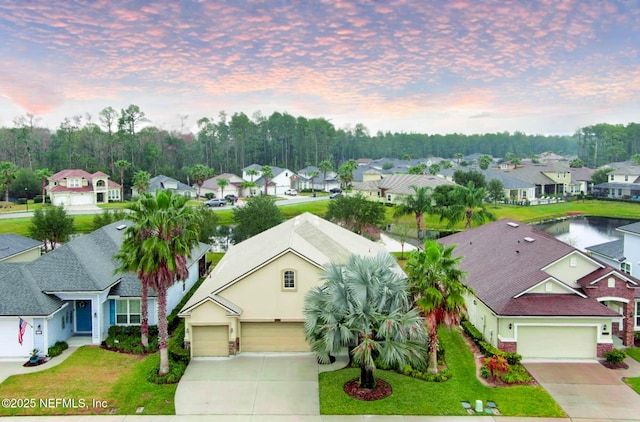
column 434, row 66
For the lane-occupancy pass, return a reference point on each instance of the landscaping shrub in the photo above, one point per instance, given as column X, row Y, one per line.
column 57, row 349
column 176, row 370
column 172, row 319
column 472, row 331
column 517, row 374
column 176, row 349
column 126, row 339
column 615, row 356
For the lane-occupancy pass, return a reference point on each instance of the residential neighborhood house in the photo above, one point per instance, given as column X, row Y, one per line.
column 73, row 290
column 162, row 182
column 16, row 248
column 623, row 183
column 233, row 188
column 393, row 188
column 537, row 296
column 253, row 299
column 278, row 184
column 74, row 187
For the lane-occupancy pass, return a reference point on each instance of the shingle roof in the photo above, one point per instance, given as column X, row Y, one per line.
column 212, row 183
column 549, row 305
column 401, row 183
column 631, row 228
column 160, row 182
column 501, row 264
column 613, row 249
column 21, row 296
column 12, row 244
column 310, row 236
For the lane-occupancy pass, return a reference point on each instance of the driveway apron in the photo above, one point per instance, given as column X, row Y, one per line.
column 250, row 384
column 589, row 390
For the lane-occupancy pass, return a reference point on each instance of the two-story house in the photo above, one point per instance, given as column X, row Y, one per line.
column 75, row 187
column 623, row 183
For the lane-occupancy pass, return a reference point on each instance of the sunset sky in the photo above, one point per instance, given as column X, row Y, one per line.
column 467, row 66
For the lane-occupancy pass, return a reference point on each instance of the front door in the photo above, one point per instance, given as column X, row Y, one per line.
column 83, row 316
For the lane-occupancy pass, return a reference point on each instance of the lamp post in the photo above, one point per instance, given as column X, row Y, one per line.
column 27, row 198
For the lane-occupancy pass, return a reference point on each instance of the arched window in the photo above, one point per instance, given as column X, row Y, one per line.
column 100, row 183
column 289, row 280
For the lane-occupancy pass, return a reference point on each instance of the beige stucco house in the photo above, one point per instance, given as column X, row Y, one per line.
column 252, row 301
column 540, row 297
column 75, row 187
column 394, row 188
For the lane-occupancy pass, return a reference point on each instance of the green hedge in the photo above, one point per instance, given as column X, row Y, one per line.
column 126, row 339
column 487, row 348
column 57, row 349
column 176, row 370
column 176, row 349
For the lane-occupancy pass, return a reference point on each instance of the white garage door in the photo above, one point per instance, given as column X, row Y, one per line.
column 83, row 199
column 544, row 342
column 273, row 337
column 10, row 347
column 210, row 341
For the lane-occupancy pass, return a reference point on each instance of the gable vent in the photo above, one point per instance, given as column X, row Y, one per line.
column 512, row 224
column 529, row 239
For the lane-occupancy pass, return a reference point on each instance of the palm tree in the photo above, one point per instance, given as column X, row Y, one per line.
column 267, row 174
column 44, row 174
column 345, row 172
column 156, row 247
column 222, row 183
column 435, row 286
column 200, row 173
column 325, row 166
column 419, row 203
column 313, row 174
column 7, row 176
column 141, row 181
column 252, row 173
column 364, row 306
column 122, row 165
column 468, row 205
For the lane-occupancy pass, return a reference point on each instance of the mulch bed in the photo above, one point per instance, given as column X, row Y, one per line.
column 619, row 365
column 41, row 361
column 382, row 390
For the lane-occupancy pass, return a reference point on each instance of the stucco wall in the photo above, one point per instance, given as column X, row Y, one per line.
column 209, row 313
column 55, row 330
column 26, row 256
column 563, row 271
column 262, row 297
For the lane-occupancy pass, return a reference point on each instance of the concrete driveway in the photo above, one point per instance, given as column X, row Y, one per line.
column 250, row 384
column 589, row 390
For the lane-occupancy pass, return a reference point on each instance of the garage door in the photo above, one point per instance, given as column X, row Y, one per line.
column 11, row 347
column 538, row 342
column 210, row 341
column 273, row 337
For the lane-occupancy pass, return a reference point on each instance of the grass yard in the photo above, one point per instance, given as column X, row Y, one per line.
column 634, row 383
column 92, row 373
column 415, row 397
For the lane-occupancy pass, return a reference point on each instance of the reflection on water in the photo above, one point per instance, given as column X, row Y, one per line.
column 581, row 232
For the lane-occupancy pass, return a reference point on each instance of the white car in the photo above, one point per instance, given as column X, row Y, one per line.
column 291, row 192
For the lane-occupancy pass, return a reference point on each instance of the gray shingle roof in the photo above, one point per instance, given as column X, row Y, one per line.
column 21, row 296
column 631, row 228
column 161, row 182
column 12, row 244
column 613, row 249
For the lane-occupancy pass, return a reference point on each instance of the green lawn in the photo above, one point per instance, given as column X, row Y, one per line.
column 634, row 383
column 92, row 373
column 415, row 397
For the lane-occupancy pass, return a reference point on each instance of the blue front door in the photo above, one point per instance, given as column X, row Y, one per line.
column 83, row 316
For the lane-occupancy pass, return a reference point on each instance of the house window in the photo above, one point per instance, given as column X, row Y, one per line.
column 611, row 282
column 289, row 280
column 626, row 178
column 573, row 261
column 128, row 312
column 611, row 177
column 637, row 316
column 389, row 198
column 73, row 183
column 625, row 267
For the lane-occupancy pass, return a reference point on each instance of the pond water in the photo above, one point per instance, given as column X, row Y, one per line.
column 581, row 232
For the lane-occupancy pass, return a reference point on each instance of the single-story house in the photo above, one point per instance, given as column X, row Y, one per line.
column 162, row 182
column 73, row 290
column 234, row 187
column 278, row 184
column 74, row 187
column 253, row 299
column 393, row 188
column 16, row 248
column 539, row 297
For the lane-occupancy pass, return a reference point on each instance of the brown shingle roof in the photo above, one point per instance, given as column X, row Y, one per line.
column 556, row 304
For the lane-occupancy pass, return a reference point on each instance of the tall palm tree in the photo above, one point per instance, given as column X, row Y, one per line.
column 7, row 176
column 122, row 165
column 419, row 204
column 267, row 174
column 325, row 166
column 141, row 181
column 222, row 183
column 345, row 172
column 44, row 174
column 156, row 247
column 200, row 173
column 313, row 174
column 468, row 206
column 364, row 306
column 435, row 286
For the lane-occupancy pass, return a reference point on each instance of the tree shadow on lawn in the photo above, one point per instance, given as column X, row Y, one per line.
column 416, row 397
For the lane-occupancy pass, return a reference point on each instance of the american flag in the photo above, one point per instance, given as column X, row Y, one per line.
column 23, row 326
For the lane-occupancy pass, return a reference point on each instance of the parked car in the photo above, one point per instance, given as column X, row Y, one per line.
column 216, row 202
column 291, row 192
column 335, row 195
column 231, row 198
column 335, row 190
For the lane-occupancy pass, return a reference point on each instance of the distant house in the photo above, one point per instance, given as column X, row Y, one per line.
column 539, row 297
column 623, row 183
column 74, row 187
column 234, row 187
column 73, row 290
column 305, row 181
column 280, row 182
column 393, row 188
column 514, row 189
column 581, row 180
column 167, row 183
column 16, row 248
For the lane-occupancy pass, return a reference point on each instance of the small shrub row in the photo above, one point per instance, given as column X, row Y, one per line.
column 126, row 339
column 57, row 349
column 441, row 376
column 176, row 370
column 38, row 199
column 487, row 348
column 176, row 349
